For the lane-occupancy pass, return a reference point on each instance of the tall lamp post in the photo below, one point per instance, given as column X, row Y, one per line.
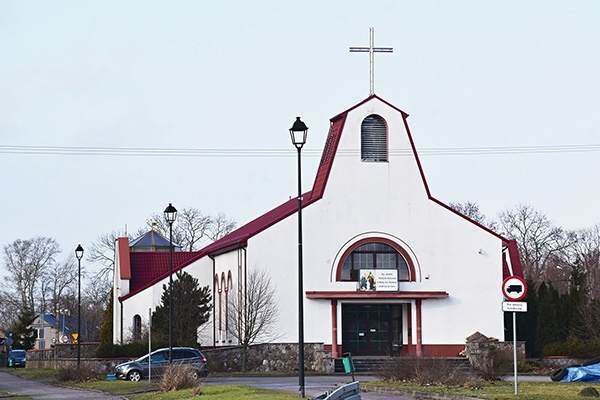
column 170, row 217
column 298, row 133
column 79, row 255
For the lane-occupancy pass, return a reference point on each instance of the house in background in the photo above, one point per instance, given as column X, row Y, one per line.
column 50, row 330
column 388, row 268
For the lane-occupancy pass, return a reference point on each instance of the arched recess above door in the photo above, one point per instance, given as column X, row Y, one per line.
column 375, row 250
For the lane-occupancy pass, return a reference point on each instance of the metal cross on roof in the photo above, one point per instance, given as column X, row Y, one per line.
column 371, row 50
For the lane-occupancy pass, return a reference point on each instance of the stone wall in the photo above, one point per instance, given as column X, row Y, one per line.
column 280, row 357
column 479, row 349
column 65, row 355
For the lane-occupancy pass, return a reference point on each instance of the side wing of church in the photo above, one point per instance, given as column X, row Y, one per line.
column 388, row 269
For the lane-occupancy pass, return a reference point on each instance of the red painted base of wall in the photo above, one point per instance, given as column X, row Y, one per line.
column 429, row 350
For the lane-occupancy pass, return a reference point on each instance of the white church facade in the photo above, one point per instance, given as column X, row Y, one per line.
column 388, row 269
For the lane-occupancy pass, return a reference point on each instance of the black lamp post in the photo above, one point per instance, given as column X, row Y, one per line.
column 298, row 134
column 170, row 217
column 79, row 255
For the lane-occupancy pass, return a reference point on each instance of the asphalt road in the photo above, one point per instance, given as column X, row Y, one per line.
column 43, row 391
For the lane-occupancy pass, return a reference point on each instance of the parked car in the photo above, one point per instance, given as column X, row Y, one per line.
column 139, row 369
column 17, row 358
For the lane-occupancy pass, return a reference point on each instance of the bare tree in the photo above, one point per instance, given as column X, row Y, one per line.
column 102, row 251
column 10, row 309
column 471, row 209
column 189, row 229
column 193, row 228
column 542, row 246
column 60, row 280
column 30, row 263
column 586, row 250
column 254, row 312
column 220, row 226
column 94, row 303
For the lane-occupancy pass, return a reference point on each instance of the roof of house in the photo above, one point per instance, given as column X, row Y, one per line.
column 151, row 239
column 149, row 267
column 239, row 237
column 65, row 322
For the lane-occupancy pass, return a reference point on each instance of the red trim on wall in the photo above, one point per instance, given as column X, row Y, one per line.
column 412, row 295
column 334, row 352
column 124, row 263
column 515, row 261
column 434, row 350
column 443, row 350
column 329, row 151
column 419, row 348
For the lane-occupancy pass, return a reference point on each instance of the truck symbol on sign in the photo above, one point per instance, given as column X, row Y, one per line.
column 514, row 288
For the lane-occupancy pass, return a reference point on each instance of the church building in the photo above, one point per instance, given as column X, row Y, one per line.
column 387, row 268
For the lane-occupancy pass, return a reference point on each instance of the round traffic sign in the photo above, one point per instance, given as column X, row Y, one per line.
column 514, row 288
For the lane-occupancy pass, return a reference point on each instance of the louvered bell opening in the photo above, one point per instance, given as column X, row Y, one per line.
column 373, row 135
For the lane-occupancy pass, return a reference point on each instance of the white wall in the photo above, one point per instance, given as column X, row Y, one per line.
column 385, row 199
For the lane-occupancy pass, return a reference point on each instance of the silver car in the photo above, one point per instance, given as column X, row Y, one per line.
column 137, row 370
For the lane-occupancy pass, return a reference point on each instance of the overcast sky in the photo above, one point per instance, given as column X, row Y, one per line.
column 88, row 87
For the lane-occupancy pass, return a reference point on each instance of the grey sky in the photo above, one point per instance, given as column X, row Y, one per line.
column 233, row 75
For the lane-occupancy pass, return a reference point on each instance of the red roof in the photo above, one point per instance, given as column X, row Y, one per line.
column 148, row 268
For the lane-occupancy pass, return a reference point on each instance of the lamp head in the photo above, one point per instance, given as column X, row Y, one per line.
column 79, row 252
column 298, row 133
column 170, row 214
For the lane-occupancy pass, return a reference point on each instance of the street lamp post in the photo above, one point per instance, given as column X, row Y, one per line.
column 170, row 216
column 79, row 255
column 298, row 133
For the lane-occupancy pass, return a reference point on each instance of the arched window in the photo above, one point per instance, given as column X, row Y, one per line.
column 373, row 139
column 374, row 255
column 137, row 328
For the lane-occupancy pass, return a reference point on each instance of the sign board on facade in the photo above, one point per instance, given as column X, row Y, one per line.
column 378, row 280
column 514, row 306
column 514, row 288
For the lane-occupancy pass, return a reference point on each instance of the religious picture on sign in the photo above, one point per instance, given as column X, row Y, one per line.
column 367, row 282
column 378, row 280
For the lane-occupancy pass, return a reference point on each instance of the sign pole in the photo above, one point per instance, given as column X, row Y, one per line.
column 514, row 288
column 515, row 350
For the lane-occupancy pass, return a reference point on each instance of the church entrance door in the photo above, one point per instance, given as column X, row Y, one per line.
column 374, row 329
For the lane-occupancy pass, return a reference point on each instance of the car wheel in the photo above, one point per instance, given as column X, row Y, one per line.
column 134, row 376
column 559, row 374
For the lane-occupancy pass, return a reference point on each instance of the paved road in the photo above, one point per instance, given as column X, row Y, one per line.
column 43, row 391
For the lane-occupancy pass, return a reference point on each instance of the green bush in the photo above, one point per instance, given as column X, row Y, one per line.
column 574, row 347
column 527, row 366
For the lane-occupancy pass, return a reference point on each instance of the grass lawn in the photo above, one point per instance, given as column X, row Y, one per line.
column 147, row 391
column 498, row 390
column 32, row 373
column 226, row 392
